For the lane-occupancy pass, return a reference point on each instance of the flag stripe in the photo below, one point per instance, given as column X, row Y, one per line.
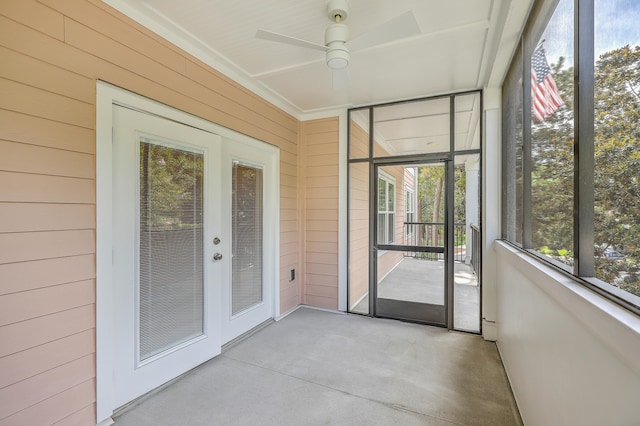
column 544, row 92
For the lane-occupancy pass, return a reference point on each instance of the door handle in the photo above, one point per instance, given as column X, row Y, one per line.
column 217, row 256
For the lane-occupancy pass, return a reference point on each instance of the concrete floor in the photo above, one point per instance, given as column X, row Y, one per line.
column 322, row 368
column 423, row 281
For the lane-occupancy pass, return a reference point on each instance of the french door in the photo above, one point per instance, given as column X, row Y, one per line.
column 189, row 262
column 248, row 208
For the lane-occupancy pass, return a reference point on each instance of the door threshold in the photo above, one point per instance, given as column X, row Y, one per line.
column 246, row 335
column 133, row 403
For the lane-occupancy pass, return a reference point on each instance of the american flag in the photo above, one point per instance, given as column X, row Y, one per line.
column 544, row 93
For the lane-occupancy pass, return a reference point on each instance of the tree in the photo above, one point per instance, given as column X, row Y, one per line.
column 171, row 187
column 617, row 166
column 616, row 171
column 431, row 191
column 552, row 174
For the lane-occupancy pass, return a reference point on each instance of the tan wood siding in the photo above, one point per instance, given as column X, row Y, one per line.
column 358, row 216
column 24, row 305
column 390, row 259
column 289, row 224
column 33, row 188
column 80, row 417
column 55, row 410
column 319, row 172
column 27, row 129
column 19, row 157
column 359, row 243
column 36, row 16
column 25, row 217
column 22, row 276
column 37, row 331
column 26, row 246
column 36, row 360
column 19, row 97
column 52, row 52
column 36, row 389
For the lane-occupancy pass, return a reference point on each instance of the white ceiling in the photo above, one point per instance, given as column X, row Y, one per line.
column 463, row 45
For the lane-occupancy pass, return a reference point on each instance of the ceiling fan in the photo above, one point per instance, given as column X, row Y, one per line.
column 337, row 45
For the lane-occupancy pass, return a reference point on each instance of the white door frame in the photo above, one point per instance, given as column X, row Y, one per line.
column 107, row 96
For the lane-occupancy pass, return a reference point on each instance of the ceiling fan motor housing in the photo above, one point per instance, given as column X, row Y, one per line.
column 335, row 38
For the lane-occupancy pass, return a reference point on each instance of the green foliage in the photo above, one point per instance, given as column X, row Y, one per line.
column 545, row 250
column 616, row 171
column 171, row 188
column 617, row 166
column 428, row 178
column 552, row 172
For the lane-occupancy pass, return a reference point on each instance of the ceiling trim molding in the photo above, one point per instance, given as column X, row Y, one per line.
column 324, row 113
column 507, row 40
column 195, row 47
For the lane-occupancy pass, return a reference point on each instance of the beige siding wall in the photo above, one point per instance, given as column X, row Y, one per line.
column 358, row 216
column 407, row 182
column 51, row 54
column 390, row 259
column 319, row 172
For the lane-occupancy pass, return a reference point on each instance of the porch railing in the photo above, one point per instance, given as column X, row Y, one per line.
column 476, row 261
column 432, row 234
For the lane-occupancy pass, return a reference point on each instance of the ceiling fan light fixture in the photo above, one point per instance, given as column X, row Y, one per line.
column 338, row 57
column 335, row 38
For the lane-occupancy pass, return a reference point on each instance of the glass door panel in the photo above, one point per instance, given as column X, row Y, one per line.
column 410, row 241
column 412, row 128
column 359, row 243
column 467, row 122
column 246, row 224
column 359, row 134
column 466, row 244
column 171, row 254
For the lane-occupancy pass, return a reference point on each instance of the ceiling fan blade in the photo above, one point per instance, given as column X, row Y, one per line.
column 397, row 28
column 280, row 38
column 341, row 78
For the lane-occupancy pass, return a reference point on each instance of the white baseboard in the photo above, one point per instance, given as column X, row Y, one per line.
column 106, row 422
column 286, row 314
column 489, row 331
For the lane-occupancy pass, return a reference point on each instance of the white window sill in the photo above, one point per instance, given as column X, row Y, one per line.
column 615, row 326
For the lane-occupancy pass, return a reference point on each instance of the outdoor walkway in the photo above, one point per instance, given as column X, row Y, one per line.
column 322, row 368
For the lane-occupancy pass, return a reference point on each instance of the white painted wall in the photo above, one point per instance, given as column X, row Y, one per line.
column 491, row 191
column 572, row 357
